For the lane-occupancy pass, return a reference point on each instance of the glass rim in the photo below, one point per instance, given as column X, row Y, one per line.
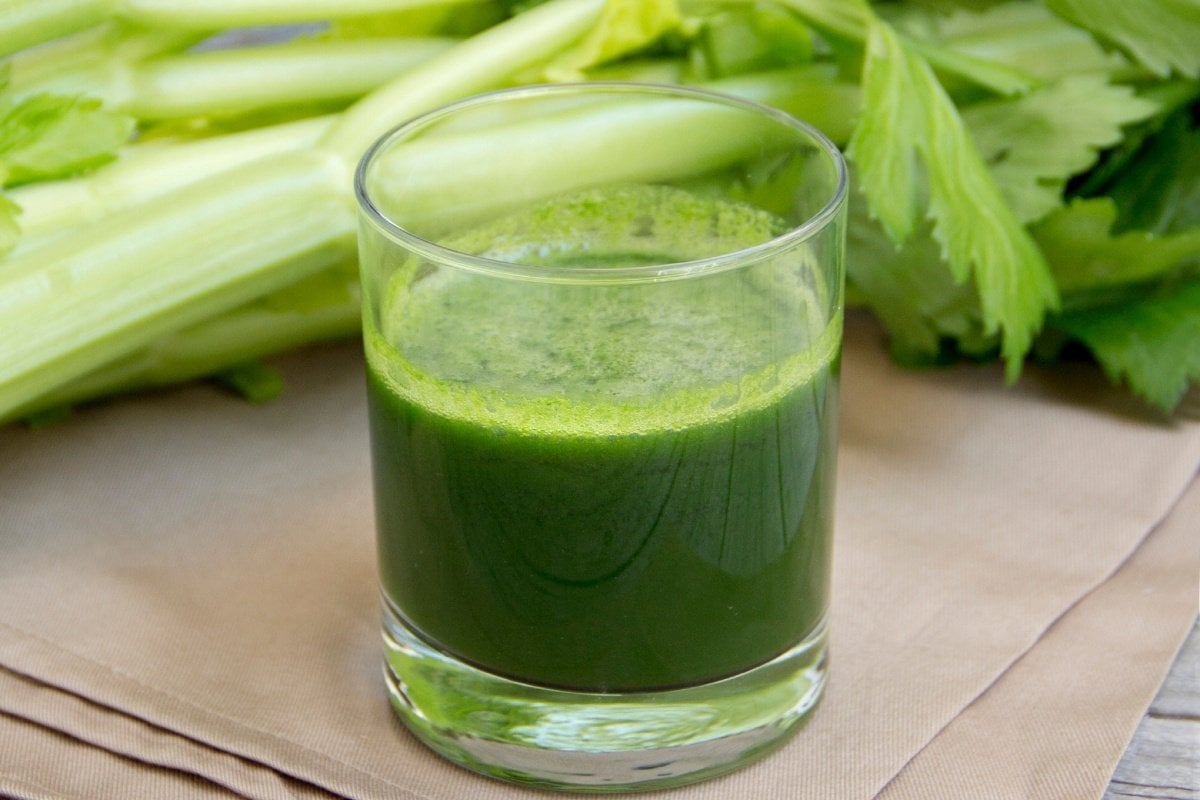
column 810, row 227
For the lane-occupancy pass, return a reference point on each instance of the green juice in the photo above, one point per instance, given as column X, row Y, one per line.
column 606, row 487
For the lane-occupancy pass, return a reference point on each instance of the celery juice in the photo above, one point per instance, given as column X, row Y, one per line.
column 619, row 487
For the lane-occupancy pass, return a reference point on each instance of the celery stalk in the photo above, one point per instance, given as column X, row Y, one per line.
column 478, row 63
column 229, row 82
column 24, row 23
column 293, row 317
column 95, row 57
column 104, row 291
column 646, row 134
column 214, row 14
column 144, row 171
column 814, row 93
column 114, row 287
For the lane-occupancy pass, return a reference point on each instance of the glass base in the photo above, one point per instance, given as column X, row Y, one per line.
column 593, row 742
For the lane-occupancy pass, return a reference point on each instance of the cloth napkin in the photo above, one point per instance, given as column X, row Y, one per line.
column 188, row 603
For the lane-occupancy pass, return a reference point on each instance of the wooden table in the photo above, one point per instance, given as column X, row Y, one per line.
column 1163, row 759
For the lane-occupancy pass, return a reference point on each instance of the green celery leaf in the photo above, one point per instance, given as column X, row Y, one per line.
column 47, row 418
column 252, row 380
column 1085, row 256
column 977, row 229
column 1036, row 142
column 883, row 145
column 847, row 19
column 1163, row 35
column 980, row 235
column 748, row 38
column 1025, row 36
column 1158, row 189
column 1153, row 344
column 911, row 292
column 852, row 20
column 49, row 136
column 624, row 27
column 1174, row 97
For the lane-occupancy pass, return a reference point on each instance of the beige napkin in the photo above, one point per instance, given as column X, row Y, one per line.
column 187, row 592
column 1044, row 724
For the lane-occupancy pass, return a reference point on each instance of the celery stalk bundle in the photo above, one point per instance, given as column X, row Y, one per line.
column 1026, row 173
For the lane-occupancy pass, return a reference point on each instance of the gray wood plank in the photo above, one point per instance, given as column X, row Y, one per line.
column 1180, row 693
column 1162, row 761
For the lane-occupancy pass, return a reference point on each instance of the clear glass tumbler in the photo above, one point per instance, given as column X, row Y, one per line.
column 602, row 325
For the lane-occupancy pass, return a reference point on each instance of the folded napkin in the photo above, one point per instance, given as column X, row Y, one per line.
column 188, row 603
column 1054, row 724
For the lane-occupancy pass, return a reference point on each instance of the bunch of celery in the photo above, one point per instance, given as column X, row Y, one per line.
column 1026, row 173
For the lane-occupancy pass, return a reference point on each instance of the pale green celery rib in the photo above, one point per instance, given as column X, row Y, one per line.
column 255, row 330
column 25, row 23
column 81, row 62
column 227, row 82
column 292, row 318
column 814, row 93
column 641, row 70
column 220, row 83
column 115, row 286
column 481, row 62
column 811, row 93
column 468, row 177
column 214, row 14
column 111, row 288
column 262, row 329
column 142, row 172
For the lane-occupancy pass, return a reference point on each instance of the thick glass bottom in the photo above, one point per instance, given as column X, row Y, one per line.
column 597, row 742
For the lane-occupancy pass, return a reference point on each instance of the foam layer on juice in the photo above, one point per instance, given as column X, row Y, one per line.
column 601, row 359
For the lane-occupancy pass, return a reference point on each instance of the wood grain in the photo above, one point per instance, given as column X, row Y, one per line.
column 1163, row 758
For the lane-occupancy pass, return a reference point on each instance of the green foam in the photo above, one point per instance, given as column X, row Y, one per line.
column 589, row 359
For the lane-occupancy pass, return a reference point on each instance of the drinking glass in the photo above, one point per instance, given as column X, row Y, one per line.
column 602, row 326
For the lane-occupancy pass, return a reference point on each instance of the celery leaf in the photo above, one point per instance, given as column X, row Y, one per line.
column 47, row 136
column 1163, row 35
column 980, row 235
column 883, row 145
column 1025, row 36
column 742, row 39
column 1035, row 142
column 251, row 380
column 910, row 291
column 1158, row 188
column 847, row 19
column 1085, row 255
column 978, row 231
column 1152, row 344
column 624, row 27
